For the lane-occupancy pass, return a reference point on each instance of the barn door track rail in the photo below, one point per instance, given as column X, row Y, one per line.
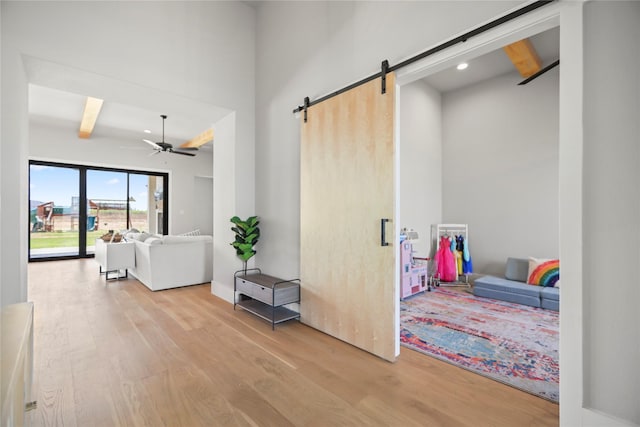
column 385, row 68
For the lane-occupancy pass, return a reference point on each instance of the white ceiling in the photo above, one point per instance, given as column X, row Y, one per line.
column 64, row 109
column 493, row 64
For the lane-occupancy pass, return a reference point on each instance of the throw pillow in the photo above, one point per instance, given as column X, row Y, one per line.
column 129, row 237
column 127, row 233
column 195, row 232
column 111, row 238
column 543, row 272
column 138, row 236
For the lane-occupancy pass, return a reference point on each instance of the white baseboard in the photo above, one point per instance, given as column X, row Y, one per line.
column 222, row 290
column 593, row 418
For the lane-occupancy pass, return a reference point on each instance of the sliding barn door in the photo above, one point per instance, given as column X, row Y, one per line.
column 347, row 190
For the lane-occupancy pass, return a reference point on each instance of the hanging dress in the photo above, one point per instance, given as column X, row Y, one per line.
column 447, row 271
column 458, row 254
column 467, row 264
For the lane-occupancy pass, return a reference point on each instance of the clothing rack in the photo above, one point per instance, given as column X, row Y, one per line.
column 439, row 230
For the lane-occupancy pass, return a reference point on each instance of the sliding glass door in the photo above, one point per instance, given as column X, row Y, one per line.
column 146, row 202
column 107, row 204
column 73, row 205
column 53, row 213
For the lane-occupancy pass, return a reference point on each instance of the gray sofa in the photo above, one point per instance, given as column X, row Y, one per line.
column 514, row 288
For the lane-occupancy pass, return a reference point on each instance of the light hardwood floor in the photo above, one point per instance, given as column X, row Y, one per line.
column 112, row 354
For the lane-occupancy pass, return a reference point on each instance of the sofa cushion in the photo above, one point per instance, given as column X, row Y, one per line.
column 141, row 237
column 195, row 232
column 550, row 304
column 550, row 293
column 517, row 269
column 530, row 300
column 504, row 285
column 153, row 241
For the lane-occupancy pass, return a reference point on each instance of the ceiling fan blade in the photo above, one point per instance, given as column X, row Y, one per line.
column 165, row 146
column 180, row 152
column 153, row 144
column 154, row 152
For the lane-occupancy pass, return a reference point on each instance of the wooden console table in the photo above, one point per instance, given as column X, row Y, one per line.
column 17, row 363
column 265, row 296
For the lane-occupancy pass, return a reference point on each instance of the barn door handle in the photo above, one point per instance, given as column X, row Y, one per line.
column 383, row 231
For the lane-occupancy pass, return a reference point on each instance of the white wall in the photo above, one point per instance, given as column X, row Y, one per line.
column 420, row 161
column 13, row 173
column 204, row 51
column 54, row 143
column 612, row 209
column 313, row 48
column 1, row 175
column 203, row 199
column 500, row 168
column 225, row 170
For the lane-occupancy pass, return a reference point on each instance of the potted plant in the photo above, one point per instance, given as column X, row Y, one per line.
column 247, row 235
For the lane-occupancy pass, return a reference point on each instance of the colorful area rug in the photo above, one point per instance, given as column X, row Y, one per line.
column 511, row 343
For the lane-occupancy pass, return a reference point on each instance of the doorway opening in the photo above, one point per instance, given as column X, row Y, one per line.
column 461, row 162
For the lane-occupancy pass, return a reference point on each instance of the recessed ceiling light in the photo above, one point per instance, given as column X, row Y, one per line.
column 147, row 131
column 462, row 66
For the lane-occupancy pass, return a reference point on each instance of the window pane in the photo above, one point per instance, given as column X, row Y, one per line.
column 53, row 211
column 106, row 204
column 142, row 191
column 156, row 210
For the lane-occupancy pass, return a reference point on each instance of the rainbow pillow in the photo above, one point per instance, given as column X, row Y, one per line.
column 543, row 272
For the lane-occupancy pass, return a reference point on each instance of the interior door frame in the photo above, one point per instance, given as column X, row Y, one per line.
column 525, row 26
column 568, row 16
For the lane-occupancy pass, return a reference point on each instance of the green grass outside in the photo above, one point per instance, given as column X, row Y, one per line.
column 61, row 239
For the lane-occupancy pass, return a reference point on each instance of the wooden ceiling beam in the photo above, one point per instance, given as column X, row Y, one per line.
column 524, row 57
column 199, row 140
column 92, row 108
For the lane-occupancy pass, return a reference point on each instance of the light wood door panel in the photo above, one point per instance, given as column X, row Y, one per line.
column 347, row 187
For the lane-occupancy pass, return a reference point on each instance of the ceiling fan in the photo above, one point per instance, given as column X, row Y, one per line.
column 165, row 146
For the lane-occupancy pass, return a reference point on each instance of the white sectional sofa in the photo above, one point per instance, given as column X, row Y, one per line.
column 164, row 262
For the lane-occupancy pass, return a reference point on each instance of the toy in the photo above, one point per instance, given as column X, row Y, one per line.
column 414, row 276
